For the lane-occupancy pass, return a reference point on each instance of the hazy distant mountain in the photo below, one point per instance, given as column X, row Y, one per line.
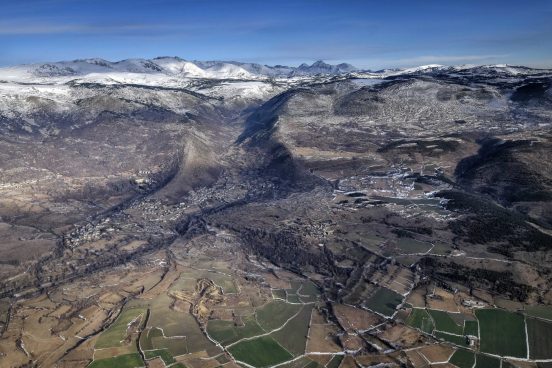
column 321, row 67
column 172, row 66
column 168, row 70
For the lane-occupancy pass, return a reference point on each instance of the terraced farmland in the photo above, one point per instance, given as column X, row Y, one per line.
column 274, row 332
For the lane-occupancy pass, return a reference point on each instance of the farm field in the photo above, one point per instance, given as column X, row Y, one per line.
column 394, row 278
column 316, row 361
column 122, row 361
column 162, row 353
column 275, row 313
column 293, row 336
column 463, row 358
column 275, row 330
column 335, row 362
column 455, row 339
column 417, row 298
column 444, row 322
column 540, row 338
column 471, row 328
column 384, row 301
column 416, row 359
column 412, row 246
column 485, row 361
column 436, row 353
column 441, row 249
column 226, row 332
column 355, row 319
column 176, row 331
column 147, row 336
column 308, row 288
column 245, row 330
column 539, row 311
column 177, row 346
column 279, row 294
column 114, row 335
column 419, row 318
column 308, row 292
column 270, row 331
column 293, row 298
column 442, row 300
column 295, row 286
column 260, row 352
column 173, row 322
column 502, row 332
column 322, row 338
column 299, row 363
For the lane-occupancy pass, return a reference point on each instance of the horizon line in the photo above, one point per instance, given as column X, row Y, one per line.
column 332, row 62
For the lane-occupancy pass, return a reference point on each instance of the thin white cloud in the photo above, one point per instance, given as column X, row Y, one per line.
column 38, row 29
column 41, row 27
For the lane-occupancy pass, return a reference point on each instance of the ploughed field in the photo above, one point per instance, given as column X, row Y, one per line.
column 338, row 221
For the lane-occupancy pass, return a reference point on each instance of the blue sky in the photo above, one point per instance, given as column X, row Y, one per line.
column 370, row 34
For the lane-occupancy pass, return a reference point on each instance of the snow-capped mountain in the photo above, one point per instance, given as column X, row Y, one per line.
column 167, row 66
column 234, row 83
column 179, row 67
column 421, row 68
column 171, row 71
column 320, row 67
column 481, row 70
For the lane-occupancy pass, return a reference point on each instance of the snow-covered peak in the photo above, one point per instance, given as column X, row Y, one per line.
column 422, row 68
column 137, row 66
column 499, row 69
column 173, row 67
column 320, row 67
column 180, row 67
column 226, row 70
column 492, row 70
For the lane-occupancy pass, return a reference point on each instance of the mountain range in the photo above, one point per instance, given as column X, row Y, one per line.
column 176, row 67
column 173, row 66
